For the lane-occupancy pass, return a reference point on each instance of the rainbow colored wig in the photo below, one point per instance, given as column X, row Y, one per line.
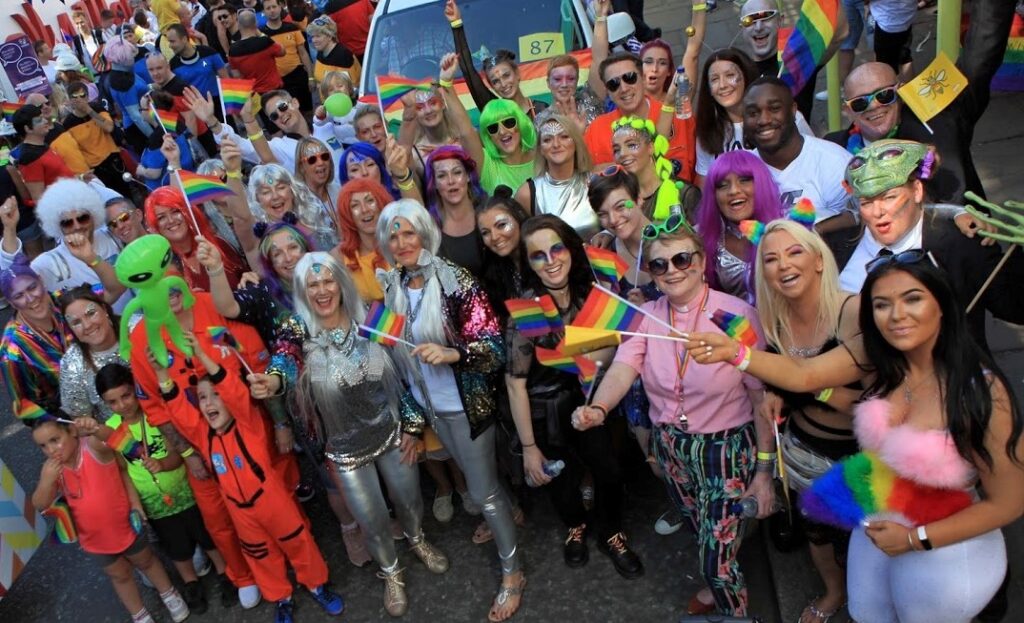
column 497, row 110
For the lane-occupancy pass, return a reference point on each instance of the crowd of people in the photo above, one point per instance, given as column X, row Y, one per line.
column 861, row 278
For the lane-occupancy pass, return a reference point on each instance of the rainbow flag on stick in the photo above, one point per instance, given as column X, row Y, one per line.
column 234, row 92
column 64, row 530
column 806, row 45
column 555, row 358
column 605, row 310
column 535, row 317
column 607, row 265
column 222, row 337
column 121, row 440
column 168, row 120
column 382, row 325
column 201, row 188
column 391, row 88
column 9, row 108
column 735, row 326
column 587, row 375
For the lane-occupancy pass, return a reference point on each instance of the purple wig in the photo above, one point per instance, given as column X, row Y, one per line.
column 661, row 44
column 450, row 152
column 711, row 225
column 362, row 151
column 20, row 268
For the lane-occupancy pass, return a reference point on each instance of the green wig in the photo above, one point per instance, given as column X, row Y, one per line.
column 669, row 190
column 494, row 112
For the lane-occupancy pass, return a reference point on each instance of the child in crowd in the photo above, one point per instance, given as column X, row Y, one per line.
column 98, row 493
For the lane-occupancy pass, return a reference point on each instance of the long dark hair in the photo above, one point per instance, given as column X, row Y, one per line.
column 712, row 119
column 580, row 275
column 502, row 277
column 961, row 365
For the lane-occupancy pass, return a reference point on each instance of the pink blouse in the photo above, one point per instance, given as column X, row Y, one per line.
column 714, row 395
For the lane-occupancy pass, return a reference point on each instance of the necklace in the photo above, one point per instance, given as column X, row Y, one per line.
column 683, row 355
column 908, row 394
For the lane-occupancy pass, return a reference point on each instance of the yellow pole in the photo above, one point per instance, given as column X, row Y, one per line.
column 947, row 30
column 832, row 76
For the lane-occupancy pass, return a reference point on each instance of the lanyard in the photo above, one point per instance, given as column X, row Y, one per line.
column 683, row 358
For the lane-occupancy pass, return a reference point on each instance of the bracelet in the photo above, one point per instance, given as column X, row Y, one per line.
column 95, row 261
column 233, row 175
column 456, row 23
column 253, row 120
column 824, row 395
column 765, row 467
column 743, row 365
column 407, row 185
column 216, row 272
column 600, row 18
column 257, row 136
column 171, row 168
column 600, row 407
column 311, row 80
column 922, row 536
column 738, row 359
column 528, row 445
column 700, row 7
column 445, row 83
column 187, row 453
column 910, row 540
column 404, row 178
column 166, row 386
column 767, row 456
column 667, row 108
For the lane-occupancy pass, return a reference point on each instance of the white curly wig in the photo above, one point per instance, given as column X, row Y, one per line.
column 66, row 196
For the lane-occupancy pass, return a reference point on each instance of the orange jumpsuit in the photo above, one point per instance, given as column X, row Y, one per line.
column 272, row 529
column 191, row 425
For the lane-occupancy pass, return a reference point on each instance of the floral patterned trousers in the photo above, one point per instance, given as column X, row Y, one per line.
column 710, row 472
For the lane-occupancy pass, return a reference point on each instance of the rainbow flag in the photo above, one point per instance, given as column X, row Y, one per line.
column 168, row 120
column 27, row 410
column 9, row 108
column 803, row 212
column 555, row 358
column 385, row 321
column 735, row 326
column 806, row 46
column 221, row 335
column 390, row 88
column 587, row 374
column 200, row 188
column 64, row 530
column 752, row 230
column 534, row 317
column 234, row 92
column 607, row 311
column 1010, row 76
column 547, row 305
column 607, row 265
column 121, row 440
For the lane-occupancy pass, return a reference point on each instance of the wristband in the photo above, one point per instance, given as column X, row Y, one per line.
column 95, row 261
column 667, row 108
column 600, row 19
column 171, row 168
column 766, row 456
column 257, row 136
column 910, row 540
column 456, row 23
column 187, row 453
column 216, row 272
column 700, row 7
column 407, row 185
column 922, row 536
column 233, row 175
column 743, row 365
column 445, row 83
column 600, row 407
column 824, row 395
column 528, row 445
column 765, row 467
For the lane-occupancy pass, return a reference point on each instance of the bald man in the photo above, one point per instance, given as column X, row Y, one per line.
column 876, row 112
column 255, row 55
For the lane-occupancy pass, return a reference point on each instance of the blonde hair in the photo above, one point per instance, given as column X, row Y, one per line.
column 331, row 81
column 773, row 308
column 323, row 27
column 581, row 159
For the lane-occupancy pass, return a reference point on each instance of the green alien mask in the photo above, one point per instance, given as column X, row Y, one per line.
column 887, row 164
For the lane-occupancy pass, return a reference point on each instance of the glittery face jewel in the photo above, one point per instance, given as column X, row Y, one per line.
column 629, row 203
column 396, row 226
column 316, row 268
column 551, row 128
column 354, row 158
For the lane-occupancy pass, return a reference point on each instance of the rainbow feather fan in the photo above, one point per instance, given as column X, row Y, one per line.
column 862, row 485
column 64, row 530
column 735, row 326
column 803, row 212
column 752, row 231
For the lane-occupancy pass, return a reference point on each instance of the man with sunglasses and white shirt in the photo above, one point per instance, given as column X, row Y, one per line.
column 620, row 75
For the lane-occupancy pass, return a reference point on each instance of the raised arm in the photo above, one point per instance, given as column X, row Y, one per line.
column 600, row 48
column 470, row 138
column 477, row 89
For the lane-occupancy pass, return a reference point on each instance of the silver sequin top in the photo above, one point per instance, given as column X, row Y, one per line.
column 567, row 199
column 356, row 393
column 78, row 395
column 732, row 275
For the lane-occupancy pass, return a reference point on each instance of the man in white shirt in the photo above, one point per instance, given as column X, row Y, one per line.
column 802, row 166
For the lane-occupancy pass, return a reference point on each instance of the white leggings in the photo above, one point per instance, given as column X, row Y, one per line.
column 948, row 584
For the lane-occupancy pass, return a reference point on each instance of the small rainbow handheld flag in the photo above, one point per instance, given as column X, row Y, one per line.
column 233, row 93
column 547, row 305
column 121, row 440
column 555, row 358
column 200, row 188
column 27, row 410
column 607, row 265
column 64, row 531
column 221, row 335
column 752, row 230
column 607, row 311
column 587, row 374
column 9, row 108
column 735, row 326
column 168, row 120
column 803, row 212
column 805, row 48
column 534, row 317
column 385, row 322
column 391, row 88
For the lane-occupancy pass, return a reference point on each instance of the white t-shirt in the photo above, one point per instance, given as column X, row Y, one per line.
column 893, row 16
column 444, row 392
column 705, row 158
column 817, row 174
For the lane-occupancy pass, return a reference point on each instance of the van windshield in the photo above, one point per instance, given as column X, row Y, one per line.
column 410, row 42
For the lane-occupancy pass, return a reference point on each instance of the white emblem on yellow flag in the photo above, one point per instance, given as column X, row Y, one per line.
column 935, row 88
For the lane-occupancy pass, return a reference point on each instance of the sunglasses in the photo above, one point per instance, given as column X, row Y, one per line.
column 510, row 123
column 81, row 219
column 630, row 77
column 323, row 20
column 884, row 96
column 281, row 107
column 912, row 256
column 608, row 171
column 322, row 157
column 682, row 260
column 671, row 224
column 752, row 18
column 120, row 219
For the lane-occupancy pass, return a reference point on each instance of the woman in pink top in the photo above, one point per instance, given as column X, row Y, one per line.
column 90, row 480
column 699, row 412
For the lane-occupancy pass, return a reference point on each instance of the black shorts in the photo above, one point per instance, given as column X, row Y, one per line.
column 180, row 533
column 138, row 545
column 893, row 48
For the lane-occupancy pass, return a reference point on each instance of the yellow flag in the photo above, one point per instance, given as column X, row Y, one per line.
column 583, row 339
column 933, row 89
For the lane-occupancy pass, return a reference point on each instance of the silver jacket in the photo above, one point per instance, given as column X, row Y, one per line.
column 78, row 395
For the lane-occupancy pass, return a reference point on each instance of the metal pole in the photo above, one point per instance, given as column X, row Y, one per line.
column 947, row 29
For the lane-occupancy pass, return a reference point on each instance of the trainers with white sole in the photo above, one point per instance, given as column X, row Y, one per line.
column 669, row 523
column 175, row 605
column 249, row 596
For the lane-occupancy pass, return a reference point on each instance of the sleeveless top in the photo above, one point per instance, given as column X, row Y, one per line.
column 99, row 504
column 566, row 199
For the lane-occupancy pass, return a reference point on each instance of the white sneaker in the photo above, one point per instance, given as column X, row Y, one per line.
column 249, row 596
column 443, row 509
column 201, row 562
column 176, row 606
column 821, row 96
column 669, row 523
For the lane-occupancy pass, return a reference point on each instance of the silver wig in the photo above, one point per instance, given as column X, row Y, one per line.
column 350, row 300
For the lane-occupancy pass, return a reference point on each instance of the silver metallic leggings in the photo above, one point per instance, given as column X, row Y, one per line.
column 475, row 458
column 365, row 500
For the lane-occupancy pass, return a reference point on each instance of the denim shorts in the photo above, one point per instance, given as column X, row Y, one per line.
column 855, row 18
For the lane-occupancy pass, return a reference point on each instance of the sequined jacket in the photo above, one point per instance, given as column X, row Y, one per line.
column 78, row 395
column 472, row 328
column 30, row 365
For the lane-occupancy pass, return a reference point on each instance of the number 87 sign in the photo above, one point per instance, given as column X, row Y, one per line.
column 541, row 45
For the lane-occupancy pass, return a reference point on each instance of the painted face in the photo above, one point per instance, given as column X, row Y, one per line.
column 276, row 200
column 404, row 243
column 212, row 406
column 499, row 231
column 621, row 214
column 429, row 109
column 317, row 165
column 905, row 312
column 504, row 79
column 549, row 258
column 725, row 80
column 29, row 297
column 56, row 442
column 451, row 180
column 890, row 215
column 789, row 268
column 556, row 145
column 365, row 212
column 762, row 33
column 76, row 223
column 679, row 285
column 657, row 68
column 628, row 93
column 323, row 292
column 360, row 167
column 285, row 252
column 562, row 81
column 122, row 400
column 90, row 323
column 769, row 117
column 370, row 129
column 883, row 165
column 632, row 149
column 734, row 194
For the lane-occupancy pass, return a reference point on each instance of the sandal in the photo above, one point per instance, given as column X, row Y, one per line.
column 483, row 533
column 504, row 594
column 820, row 616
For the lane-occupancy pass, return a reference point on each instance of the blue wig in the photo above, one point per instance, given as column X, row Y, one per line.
column 362, row 151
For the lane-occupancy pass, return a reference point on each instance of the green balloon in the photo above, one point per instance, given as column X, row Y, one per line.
column 338, row 105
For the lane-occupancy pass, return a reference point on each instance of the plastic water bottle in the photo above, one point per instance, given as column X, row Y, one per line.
column 551, row 469
column 747, row 507
column 684, row 108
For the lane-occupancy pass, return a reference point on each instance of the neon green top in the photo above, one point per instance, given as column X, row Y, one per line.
column 171, row 486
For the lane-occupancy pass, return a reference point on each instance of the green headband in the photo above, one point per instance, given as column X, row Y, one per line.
column 886, row 164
